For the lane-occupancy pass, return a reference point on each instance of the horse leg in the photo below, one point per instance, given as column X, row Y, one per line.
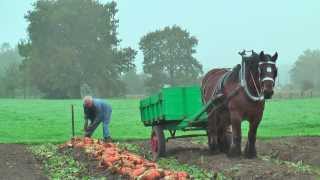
column 224, row 132
column 235, row 149
column 212, row 134
column 224, row 140
column 250, row 150
column 227, row 135
column 221, row 142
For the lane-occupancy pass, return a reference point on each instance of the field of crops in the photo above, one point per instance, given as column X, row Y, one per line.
column 38, row 121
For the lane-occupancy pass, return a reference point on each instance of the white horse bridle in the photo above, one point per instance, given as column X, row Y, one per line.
column 243, row 81
column 267, row 78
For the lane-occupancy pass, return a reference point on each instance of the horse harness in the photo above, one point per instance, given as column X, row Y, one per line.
column 218, row 94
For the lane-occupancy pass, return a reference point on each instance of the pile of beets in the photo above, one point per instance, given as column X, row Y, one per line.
column 122, row 162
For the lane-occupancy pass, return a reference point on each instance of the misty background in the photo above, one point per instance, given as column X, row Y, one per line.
column 220, row 29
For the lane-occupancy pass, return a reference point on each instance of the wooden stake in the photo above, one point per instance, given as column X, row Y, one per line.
column 72, row 120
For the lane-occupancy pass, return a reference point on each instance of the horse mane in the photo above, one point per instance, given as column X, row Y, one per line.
column 252, row 61
column 234, row 76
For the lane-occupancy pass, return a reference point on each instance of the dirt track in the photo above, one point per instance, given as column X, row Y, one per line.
column 17, row 163
column 278, row 158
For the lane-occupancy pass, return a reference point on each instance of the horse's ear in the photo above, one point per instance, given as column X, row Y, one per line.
column 262, row 57
column 274, row 57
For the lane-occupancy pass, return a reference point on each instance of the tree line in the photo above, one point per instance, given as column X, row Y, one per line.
column 73, row 49
column 305, row 73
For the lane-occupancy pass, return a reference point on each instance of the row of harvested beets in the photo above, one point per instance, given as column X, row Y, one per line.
column 122, row 162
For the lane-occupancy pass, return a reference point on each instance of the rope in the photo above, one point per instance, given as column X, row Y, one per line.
column 255, row 85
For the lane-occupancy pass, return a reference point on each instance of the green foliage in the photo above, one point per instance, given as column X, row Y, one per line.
column 168, row 58
column 193, row 171
column 8, row 55
column 73, row 43
column 299, row 166
column 134, row 83
column 134, row 148
column 36, row 121
column 305, row 72
column 10, row 76
column 57, row 166
column 11, row 80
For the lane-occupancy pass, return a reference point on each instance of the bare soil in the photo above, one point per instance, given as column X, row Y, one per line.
column 277, row 159
column 17, row 163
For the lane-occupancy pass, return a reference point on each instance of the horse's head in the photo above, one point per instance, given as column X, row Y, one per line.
column 268, row 73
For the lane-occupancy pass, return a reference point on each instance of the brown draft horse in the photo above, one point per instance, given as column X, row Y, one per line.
column 243, row 90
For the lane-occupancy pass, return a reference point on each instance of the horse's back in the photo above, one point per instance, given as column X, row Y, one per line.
column 210, row 81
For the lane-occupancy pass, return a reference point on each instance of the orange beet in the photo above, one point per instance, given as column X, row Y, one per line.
column 110, row 159
column 138, row 161
column 151, row 174
column 152, row 165
column 124, row 170
column 137, row 172
column 182, row 174
column 167, row 173
column 87, row 140
column 122, row 161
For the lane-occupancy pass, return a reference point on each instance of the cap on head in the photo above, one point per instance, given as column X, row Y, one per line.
column 88, row 101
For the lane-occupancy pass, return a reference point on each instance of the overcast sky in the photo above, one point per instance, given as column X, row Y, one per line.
column 222, row 27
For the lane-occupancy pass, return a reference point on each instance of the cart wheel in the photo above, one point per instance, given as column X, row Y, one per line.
column 157, row 142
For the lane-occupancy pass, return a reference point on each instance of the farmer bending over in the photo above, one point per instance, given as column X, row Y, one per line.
column 96, row 111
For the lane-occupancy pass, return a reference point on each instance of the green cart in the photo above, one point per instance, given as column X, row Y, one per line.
column 172, row 109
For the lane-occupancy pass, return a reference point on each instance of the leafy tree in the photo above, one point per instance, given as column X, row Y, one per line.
column 168, row 57
column 8, row 55
column 305, row 72
column 9, row 70
column 134, row 82
column 74, row 42
column 10, row 81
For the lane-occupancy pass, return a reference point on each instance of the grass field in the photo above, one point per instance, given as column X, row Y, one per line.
column 38, row 121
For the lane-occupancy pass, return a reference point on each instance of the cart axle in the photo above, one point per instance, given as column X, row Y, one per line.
column 186, row 136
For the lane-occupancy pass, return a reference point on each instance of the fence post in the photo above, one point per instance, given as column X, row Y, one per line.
column 72, row 120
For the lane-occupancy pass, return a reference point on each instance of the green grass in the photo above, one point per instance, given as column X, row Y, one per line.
column 38, row 121
column 300, row 117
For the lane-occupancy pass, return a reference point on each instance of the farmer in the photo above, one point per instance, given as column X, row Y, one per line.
column 96, row 111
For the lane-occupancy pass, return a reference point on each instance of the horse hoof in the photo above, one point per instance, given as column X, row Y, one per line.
column 224, row 149
column 251, row 156
column 250, row 153
column 214, row 152
column 234, row 152
column 213, row 149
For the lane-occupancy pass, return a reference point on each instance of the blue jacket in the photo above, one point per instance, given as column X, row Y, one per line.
column 98, row 112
